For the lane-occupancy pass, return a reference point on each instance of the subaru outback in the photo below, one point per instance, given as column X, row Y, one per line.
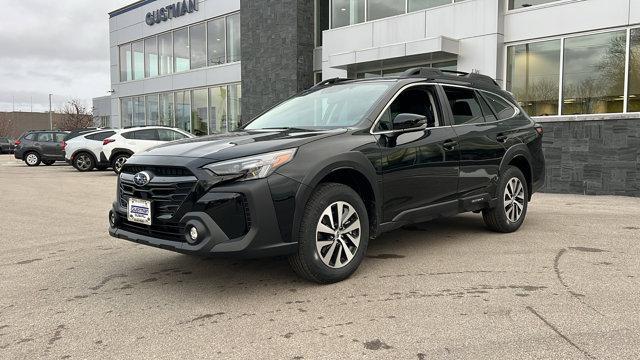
column 318, row 176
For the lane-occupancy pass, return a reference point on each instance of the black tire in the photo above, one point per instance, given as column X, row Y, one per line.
column 501, row 218
column 116, row 164
column 307, row 261
column 83, row 162
column 32, row 158
column 48, row 162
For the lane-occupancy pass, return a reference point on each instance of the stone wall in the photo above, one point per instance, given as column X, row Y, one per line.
column 277, row 52
column 593, row 156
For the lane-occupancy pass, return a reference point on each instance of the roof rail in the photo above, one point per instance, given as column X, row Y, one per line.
column 329, row 82
column 433, row 73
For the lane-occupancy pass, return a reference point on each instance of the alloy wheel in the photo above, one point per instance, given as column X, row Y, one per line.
column 83, row 162
column 32, row 159
column 338, row 234
column 514, row 199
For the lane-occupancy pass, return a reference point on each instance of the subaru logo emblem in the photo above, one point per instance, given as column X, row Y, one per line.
column 142, row 178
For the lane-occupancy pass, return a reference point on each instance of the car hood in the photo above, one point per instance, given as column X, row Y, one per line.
column 239, row 144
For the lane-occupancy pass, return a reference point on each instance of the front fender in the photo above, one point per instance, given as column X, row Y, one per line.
column 352, row 160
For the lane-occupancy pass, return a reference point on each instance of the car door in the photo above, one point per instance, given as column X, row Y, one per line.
column 478, row 140
column 144, row 139
column 45, row 143
column 420, row 168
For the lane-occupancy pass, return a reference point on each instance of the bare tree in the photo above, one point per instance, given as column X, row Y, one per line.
column 6, row 127
column 75, row 116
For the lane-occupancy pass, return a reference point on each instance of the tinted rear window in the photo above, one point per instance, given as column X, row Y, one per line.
column 30, row 136
column 501, row 107
column 100, row 136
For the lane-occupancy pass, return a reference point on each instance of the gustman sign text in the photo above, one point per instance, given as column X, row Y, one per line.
column 172, row 11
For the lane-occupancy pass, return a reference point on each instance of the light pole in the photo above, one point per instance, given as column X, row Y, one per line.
column 50, row 114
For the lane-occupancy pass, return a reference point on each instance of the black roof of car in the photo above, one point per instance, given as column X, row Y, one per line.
column 475, row 80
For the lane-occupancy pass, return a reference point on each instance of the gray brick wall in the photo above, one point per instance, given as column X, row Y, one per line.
column 277, row 52
column 594, row 157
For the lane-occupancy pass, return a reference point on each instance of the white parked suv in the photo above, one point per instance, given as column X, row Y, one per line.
column 83, row 151
column 119, row 147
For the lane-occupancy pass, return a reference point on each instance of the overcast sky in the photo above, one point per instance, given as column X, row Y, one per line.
column 59, row 47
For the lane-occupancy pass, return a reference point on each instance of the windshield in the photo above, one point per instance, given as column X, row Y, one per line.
column 335, row 106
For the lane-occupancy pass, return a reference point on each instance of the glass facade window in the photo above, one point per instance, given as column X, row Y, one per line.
column 216, row 39
column 166, row 109
column 138, row 111
column 634, row 71
column 378, row 9
column 204, row 44
column 125, row 63
column 235, row 106
column 322, row 19
column 151, row 56
column 533, row 76
column 199, row 122
column 346, row 12
column 126, row 112
column 198, row 45
column 594, row 73
column 415, row 5
column 183, row 110
column 165, row 48
column 138, row 60
column 152, row 109
column 518, row 4
column 199, row 111
column 218, row 109
column 233, row 38
column 181, row 50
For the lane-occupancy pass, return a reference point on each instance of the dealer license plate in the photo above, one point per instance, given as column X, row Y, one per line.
column 139, row 211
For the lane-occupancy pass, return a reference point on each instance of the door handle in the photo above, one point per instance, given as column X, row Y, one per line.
column 501, row 138
column 450, row 145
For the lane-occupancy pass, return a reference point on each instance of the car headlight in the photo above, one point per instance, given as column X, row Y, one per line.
column 252, row 167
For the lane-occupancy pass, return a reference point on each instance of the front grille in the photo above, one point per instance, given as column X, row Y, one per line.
column 157, row 170
column 165, row 198
column 167, row 232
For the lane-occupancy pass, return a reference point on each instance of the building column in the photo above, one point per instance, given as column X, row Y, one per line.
column 277, row 52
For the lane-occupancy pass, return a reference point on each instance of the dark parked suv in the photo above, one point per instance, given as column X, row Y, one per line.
column 6, row 145
column 319, row 175
column 34, row 147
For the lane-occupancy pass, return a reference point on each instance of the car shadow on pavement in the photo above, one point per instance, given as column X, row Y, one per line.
column 217, row 276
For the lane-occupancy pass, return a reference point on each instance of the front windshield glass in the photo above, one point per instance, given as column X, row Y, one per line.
column 331, row 107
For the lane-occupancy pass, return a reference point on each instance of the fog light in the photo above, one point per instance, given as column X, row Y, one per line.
column 112, row 219
column 193, row 233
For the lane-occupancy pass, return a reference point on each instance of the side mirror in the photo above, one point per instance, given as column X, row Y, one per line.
column 408, row 121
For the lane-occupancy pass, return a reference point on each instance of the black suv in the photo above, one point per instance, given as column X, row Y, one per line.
column 6, row 145
column 39, row 146
column 319, row 175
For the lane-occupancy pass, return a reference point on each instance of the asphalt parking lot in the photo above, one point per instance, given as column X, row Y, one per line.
column 565, row 286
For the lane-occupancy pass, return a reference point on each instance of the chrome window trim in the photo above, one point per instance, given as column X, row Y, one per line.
column 386, row 107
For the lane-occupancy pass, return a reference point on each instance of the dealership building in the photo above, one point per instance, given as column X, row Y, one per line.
column 207, row 66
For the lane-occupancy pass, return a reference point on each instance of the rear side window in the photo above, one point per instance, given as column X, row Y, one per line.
column 501, row 107
column 45, row 137
column 169, row 135
column 464, row 106
column 100, row 136
column 60, row 137
column 148, row 134
column 30, row 137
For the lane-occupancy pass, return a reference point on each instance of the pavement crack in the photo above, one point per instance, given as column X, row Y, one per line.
column 557, row 331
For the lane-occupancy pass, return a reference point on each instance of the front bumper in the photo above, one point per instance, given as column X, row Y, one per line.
column 219, row 214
